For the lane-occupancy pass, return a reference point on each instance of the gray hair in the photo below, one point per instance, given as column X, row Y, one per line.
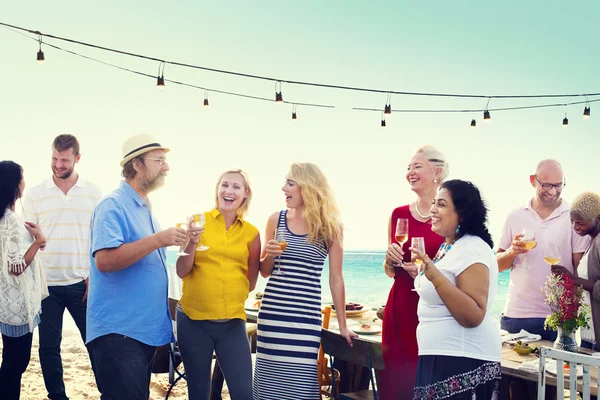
column 437, row 159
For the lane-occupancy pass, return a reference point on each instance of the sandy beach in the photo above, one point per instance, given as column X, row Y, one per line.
column 78, row 375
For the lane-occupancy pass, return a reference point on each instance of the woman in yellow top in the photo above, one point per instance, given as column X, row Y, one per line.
column 216, row 283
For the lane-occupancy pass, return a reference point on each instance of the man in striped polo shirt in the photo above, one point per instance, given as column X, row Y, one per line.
column 62, row 205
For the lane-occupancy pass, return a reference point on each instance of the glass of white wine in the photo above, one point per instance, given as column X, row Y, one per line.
column 530, row 243
column 552, row 254
column 280, row 237
column 199, row 221
column 418, row 243
column 182, row 225
column 401, row 231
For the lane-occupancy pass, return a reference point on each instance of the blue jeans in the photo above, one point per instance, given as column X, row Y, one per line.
column 531, row 325
column 122, row 366
column 50, row 328
column 198, row 339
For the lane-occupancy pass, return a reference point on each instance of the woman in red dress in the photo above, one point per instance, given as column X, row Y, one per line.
column 427, row 170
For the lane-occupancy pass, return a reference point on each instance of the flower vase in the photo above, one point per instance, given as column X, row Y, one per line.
column 565, row 341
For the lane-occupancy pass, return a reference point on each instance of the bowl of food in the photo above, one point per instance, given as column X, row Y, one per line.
column 523, row 349
column 353, row 309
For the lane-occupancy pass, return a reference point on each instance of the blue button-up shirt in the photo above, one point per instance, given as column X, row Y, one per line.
column 131, row 302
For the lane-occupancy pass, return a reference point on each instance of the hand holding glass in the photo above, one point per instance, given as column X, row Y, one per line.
column 182, row 225
column 401, row 231
column 199, row 221
column 418, row 243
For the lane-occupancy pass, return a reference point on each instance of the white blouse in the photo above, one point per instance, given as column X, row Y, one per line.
column 20, row 296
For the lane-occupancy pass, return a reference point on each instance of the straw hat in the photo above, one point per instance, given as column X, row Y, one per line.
column 139, row 144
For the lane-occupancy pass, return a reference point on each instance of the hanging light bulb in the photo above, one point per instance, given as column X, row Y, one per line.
column 40, row 53
column 586, row 112
column 473, row 123
column 206, row 98
column 486, row 116
column 278, row 95
column 565, row 121
column 294, row 114
column 388, row 105
column 382, row 120
column 160, row 78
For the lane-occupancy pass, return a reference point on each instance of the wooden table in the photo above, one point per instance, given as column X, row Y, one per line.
column 511, row 362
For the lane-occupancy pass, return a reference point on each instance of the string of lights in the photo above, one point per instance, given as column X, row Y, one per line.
column 294, row 82
column 278, row 82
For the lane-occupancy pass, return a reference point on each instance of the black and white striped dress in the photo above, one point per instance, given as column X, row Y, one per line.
column 289, row 323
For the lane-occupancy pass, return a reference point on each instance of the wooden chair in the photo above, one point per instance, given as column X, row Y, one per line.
column 573, row 359
column 174, row 354
column 325, row 375
column 364, row 353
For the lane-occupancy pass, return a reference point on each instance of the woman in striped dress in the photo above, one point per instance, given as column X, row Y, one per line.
column 289, row 321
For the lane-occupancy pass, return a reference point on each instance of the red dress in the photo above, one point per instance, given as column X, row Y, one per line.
column 399, row 341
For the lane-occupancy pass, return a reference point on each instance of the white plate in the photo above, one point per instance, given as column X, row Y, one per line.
column 551, row 368
column 373, row 330
column 503, row 332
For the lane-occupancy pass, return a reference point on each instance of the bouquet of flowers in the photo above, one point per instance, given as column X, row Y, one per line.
column 566, row 302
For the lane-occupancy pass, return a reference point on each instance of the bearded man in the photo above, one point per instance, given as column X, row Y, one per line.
column 62, row 205
column 128, row 314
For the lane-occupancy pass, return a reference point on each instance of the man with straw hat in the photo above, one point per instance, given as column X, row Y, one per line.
column 128, row 315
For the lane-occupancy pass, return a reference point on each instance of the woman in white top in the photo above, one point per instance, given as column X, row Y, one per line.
column 459, row 340
column 585, row 216
column 21, row 281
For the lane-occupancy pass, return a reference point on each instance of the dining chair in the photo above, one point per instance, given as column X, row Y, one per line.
column 573, row 360
column 325, row 375
column 174, row 354
column 363, row 353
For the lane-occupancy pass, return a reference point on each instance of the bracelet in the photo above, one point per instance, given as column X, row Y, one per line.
column 385, row 264
column 435, row 286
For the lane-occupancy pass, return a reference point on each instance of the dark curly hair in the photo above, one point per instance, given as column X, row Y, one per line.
column 11, row 175
column 471, row 209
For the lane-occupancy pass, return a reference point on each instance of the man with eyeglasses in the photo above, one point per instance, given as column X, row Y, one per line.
column 128, row 313
column 547, row 217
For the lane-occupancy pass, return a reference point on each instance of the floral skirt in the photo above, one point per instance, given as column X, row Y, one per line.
column 457, row 378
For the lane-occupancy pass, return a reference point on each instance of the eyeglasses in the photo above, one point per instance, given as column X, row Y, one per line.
column 548, row 186
column 161, row 161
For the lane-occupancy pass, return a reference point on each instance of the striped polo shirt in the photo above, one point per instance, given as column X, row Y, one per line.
column 65, row 221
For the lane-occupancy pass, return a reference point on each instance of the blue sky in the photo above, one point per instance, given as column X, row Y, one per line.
column 463, row 47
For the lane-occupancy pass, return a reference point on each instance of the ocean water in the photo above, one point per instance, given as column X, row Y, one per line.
column 365, row 281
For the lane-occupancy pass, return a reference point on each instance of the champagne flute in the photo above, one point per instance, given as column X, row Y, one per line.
column 182, row 225
column 199, row 221
column 402, row 231
column 280, row 237
column 552, row 254
column 418, row 243
column 530, row 243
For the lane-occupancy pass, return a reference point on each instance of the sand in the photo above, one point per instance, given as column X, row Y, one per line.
column 78, row 375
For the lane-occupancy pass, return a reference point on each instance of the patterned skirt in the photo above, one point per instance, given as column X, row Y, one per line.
column 457, row 378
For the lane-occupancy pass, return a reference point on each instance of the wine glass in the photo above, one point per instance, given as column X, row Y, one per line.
column 552, row 254
column 280, row 237
column 418, row 243
column 182, row 225
column 530, row 243
column 402, row 231
column 199, row 221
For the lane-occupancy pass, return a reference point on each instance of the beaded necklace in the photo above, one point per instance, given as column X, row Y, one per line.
column 444, row 248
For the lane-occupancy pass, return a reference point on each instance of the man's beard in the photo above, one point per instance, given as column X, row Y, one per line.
column 150, row 185
column 64, row 175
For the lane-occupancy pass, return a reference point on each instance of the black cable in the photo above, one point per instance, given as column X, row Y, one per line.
column 302, row 83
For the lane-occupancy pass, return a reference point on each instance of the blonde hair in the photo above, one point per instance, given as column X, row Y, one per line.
column 587, row 205
column 437, row 159
column 320, row 211
column 242, row 211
